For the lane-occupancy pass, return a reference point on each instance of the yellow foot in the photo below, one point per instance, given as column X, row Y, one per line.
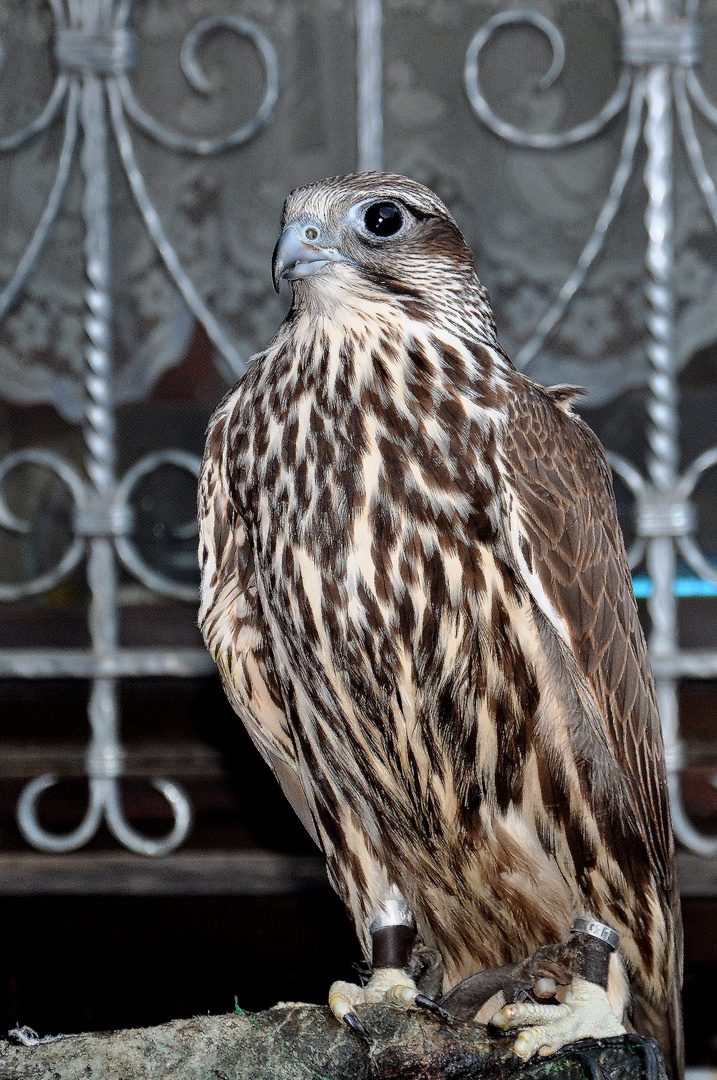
column 585, row 1014
column 390, row 985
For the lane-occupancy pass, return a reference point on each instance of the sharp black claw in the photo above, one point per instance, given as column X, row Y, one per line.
column 432, row 1006
column 357, row 1026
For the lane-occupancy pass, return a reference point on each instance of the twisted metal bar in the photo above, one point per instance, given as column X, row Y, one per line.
column 99, row 426
column 662, row 434
column 104, row 754
column 662, row 399
column 99, row 437
column 659, row 259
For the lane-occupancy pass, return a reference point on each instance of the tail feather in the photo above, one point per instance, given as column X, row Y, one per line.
column 665, row 1027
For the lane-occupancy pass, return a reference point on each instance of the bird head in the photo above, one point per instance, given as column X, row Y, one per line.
column 376, row 230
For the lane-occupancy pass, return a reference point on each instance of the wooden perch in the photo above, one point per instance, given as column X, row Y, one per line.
column 302, row 1042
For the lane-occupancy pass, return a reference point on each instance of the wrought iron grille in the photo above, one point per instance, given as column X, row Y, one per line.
column 658, row 92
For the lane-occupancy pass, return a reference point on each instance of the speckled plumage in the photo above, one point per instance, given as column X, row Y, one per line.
column 415, row 589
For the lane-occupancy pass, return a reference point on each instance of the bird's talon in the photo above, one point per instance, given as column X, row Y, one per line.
column 431, row 1006
column 585, row 1013
column 505, row 1017
column 357, row 1026
column 524, row 1046
column 389, row 985
column 545, row 989
column 401, row 995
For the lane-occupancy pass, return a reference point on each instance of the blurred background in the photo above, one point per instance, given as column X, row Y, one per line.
column 149, row 868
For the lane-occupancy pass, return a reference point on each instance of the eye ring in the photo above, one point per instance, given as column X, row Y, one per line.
column 383, row 218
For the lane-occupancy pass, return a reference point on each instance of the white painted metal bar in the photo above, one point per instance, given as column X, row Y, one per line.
column 369, row 63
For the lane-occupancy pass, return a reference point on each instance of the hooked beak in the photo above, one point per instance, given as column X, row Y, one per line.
column 296, row 258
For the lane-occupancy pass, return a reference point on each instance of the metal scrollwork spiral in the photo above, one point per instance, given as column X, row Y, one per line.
column 173, row 140
column 636, row 485
column 126, row 549
column 123, row 104
column 511, row 133
column 104, row 802
column 72, row 556
column 691, row 553
column 629, row 91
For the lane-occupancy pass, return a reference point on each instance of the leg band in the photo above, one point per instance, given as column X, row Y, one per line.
column 597, row 942
column 392, row 946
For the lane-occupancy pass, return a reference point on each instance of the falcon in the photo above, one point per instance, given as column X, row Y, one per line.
column 415, row 589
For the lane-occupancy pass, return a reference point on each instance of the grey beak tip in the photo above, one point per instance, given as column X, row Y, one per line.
column 297, row 258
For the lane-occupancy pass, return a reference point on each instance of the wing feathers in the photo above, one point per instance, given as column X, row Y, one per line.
column 232, row 620
column 566, row 512
column 579, row 558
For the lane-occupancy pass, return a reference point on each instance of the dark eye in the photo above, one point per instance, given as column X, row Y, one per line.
column 383, row 218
